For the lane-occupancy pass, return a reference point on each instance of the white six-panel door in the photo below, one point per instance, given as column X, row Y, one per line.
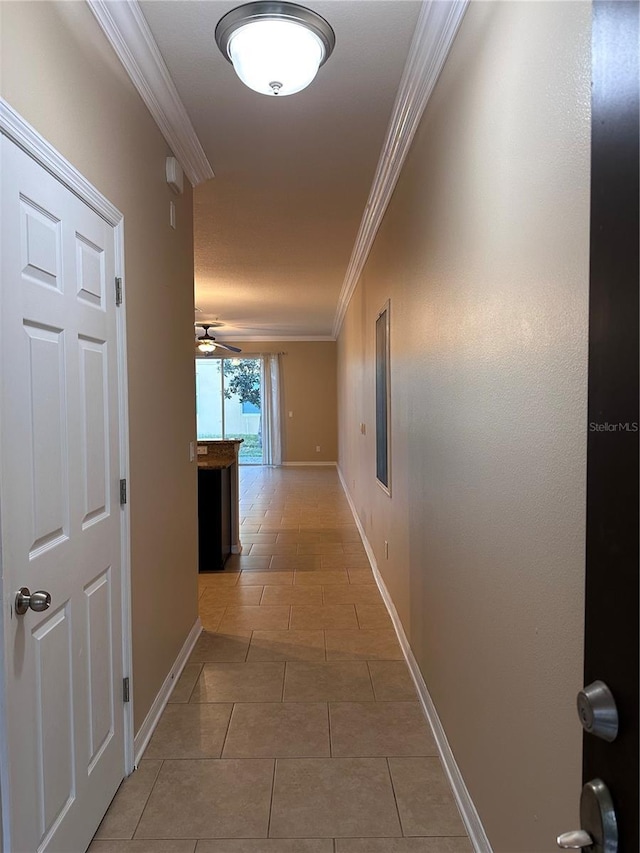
column 59, row 502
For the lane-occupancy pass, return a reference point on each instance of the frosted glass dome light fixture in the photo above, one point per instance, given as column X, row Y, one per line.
column 275, row 48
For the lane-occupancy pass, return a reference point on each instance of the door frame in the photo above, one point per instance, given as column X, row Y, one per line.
column 26, row 137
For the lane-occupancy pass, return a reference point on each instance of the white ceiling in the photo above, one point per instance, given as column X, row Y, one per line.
column 275, row 228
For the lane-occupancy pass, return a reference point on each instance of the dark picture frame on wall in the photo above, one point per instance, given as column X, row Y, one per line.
column 383, row 399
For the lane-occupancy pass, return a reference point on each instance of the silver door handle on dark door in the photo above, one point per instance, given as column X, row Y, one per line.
column 599, row 832
column 578, row 839
column 25, row 599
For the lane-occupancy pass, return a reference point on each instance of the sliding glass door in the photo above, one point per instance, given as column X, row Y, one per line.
column 229, row 403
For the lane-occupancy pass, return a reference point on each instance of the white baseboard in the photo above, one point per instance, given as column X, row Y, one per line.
column 309, row 464
column 147, row 728
column 468, row 812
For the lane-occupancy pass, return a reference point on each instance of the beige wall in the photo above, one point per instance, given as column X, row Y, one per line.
column 59, row 72
column 309, row 391
column 484, row 254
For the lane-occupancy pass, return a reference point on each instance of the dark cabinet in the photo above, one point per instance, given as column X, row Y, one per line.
column 214, row 518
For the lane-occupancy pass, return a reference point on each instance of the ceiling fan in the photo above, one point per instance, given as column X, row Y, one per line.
column 207, row 344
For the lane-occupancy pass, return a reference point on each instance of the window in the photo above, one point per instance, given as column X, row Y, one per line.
column 229, row 403
column 382, row 399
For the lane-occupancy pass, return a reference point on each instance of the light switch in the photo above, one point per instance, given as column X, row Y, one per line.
column 317, row 448
column 290, row 414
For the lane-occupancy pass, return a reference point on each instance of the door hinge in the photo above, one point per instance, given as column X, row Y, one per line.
column 118, row 290
column 125, row 689
column 123, row 492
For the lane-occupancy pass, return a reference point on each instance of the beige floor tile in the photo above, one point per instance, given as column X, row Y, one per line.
column 190, row 731
column 323, row 616
column 321, row 578
column 349, row 534
column 247, row 561
column 307, row 563
column 224, row 595
column 345, row 561
column 126, row 807
column 373, row 616
column 379, row 728
column 354, row 548
column 403, row 845
column 299, row 537
column 209, row 580
column 248, row 527
column 142, row 847
column 259, row 538
column 362, row 645
column 255, row 618
column 391, row 681
column 321, row 548
column 263, row 578
column 272, row 527
column 333, row 797
column 185, row 684
column 425, row 801
column 239, row 682
column 327, row 682
column 291, row 595
column 352, row 594
column 287, row 646
column 212, row 647
column 223, row 798
column 273, row 550
column 278, row 730
column 266, row 845
column 361, row 576
column 211, row 616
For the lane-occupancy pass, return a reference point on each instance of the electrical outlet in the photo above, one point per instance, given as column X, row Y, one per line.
column 363, row 429
column 172, row 215
column 202, row 451
column 317, row 448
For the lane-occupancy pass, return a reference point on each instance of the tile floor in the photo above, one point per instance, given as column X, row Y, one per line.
column 294, row 727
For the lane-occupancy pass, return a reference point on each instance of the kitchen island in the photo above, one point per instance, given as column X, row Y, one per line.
column 218, row 503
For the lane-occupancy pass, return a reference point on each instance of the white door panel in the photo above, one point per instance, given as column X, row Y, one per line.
column 61, row 524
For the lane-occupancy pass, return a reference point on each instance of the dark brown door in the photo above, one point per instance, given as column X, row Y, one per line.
column 611, row 632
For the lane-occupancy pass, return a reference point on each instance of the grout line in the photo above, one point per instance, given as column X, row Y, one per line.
column 395, row 799
column 194, row 686
column 133, row 834
column 330, row 739
column 373, row 689
column 226, row 734
column 273, row 788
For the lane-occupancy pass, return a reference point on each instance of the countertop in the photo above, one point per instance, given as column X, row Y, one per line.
column 220, row 454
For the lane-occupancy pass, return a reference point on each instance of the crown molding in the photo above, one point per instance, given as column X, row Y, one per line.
column 127, row 31
column 230, row 338
column 435, row 31
column 16, row 128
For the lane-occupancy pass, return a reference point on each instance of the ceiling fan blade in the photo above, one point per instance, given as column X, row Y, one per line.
column 228, row 347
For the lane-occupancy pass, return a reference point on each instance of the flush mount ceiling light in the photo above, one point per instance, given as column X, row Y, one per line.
column 276, row 48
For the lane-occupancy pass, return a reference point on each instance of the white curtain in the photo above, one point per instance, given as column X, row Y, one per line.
column 271, row 410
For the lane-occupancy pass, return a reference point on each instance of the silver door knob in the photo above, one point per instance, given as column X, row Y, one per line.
column 578, row 839
column 25, row 599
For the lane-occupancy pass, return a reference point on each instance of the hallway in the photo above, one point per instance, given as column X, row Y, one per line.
column 295, row 722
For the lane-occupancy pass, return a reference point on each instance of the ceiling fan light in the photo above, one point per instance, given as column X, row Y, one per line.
column 276, row 48
column 206, row 346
